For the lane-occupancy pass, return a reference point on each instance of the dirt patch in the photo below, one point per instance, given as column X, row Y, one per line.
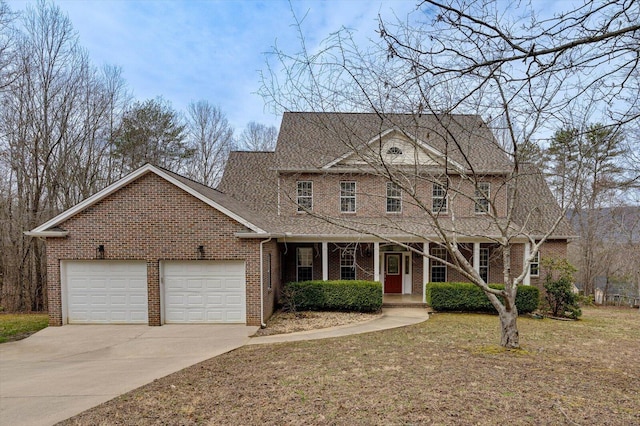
column 446, row 371
column 287, row 322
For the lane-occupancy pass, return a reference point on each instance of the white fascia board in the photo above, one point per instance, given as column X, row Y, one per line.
column 128, row 179
column 418, row 141
column 46, row 234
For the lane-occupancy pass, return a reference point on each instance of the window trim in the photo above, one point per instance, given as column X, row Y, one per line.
column 299, row 257
column 481, row 197
column 486, row 266
column 300, row 198
column 444, row 197
column 348, row 254
column 348, row 197
column 438, row 263
column 535, row 261
column 390, row 187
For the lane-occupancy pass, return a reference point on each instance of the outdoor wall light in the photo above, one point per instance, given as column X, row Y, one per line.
column 200, row 252
column 100, row 252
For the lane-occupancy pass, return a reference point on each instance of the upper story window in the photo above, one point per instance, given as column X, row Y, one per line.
column 347, row 197
column 305, row 195
column 482, row 194
column 535, row 265
column 394, row 198
column 394, row 150
column 438, row 199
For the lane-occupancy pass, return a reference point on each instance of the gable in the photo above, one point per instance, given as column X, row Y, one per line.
column 200, row 192
column 393, row 148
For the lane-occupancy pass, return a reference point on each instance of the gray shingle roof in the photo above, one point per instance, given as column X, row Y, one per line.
column 249, row 177
column 308, row 141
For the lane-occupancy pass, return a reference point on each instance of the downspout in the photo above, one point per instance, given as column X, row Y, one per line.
column 262, row 324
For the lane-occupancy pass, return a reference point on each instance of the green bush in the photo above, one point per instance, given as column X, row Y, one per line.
column 348, row 295
column 467, row 297
column 558, row 285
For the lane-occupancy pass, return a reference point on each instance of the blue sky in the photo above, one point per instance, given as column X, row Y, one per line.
column 210, row 50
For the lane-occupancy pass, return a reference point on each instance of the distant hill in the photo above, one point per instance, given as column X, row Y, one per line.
column 612, row 223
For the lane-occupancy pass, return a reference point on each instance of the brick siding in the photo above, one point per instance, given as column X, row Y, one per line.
column 152, row 220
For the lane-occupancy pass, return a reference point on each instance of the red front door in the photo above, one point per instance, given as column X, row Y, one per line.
column 393, row 273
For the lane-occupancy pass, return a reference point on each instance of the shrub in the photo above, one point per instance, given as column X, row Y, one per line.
column 348, row 295
column 558, row 286
column 467, row 297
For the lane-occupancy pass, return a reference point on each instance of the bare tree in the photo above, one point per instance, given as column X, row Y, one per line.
column 522, row 73
column 211, row 137
column 53, row 132
column 258, row 137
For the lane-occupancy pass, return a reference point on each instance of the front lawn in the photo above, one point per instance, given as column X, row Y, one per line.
column 446, row 371
column 18, row 326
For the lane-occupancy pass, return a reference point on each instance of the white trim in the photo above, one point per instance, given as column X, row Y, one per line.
column 527, row 253
column 476, row 257
column 325, row 261
column 376, row 262
column 425, row 271
column 126, row 180
column 407, row 278
column 46, row 234
column 395, row 129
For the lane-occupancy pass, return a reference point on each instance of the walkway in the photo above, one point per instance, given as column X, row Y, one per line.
column 391, row 318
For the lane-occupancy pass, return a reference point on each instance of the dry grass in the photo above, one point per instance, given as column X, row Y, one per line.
column 16, row 326
column 445, row 371
column 289, row 322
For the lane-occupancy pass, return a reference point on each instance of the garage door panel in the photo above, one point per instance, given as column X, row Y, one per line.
column 204, row 291
column 106, row 291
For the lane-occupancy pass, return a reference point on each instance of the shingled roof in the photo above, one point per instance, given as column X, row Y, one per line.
column 310, row 140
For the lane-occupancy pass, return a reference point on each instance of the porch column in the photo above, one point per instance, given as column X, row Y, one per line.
column 527, row 253
column 425, row 271
column 476, row 257
column 325, row 261
column 376, row 261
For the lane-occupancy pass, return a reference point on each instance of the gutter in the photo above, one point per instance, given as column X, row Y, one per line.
column 262, row 323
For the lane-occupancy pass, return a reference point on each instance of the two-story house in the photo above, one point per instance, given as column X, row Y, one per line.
column 343, row 196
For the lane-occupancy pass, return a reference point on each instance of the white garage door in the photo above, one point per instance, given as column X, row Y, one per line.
column 108, row 292
column 204, row 292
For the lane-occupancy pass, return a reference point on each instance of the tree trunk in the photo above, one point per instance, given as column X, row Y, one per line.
column 509, row 337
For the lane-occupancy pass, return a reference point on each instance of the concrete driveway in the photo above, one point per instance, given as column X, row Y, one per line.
column 62, row 371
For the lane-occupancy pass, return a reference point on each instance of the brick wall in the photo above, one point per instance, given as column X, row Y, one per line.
column 371, row 195
column 152, row 220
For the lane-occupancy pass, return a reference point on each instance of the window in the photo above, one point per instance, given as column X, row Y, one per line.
column 347, row 197
column 394, row 150
column 438, row 269
column 305, row 195
column 305, row 264
column 535, row 265
column 482, row 195
column 269, row 277
column 394, row 198
column 438, row 199
column 347, row 264
column 484, row 264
